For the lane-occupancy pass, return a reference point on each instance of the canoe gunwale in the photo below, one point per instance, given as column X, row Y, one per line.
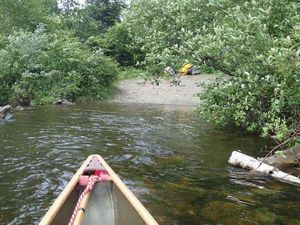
column 58, row 203
column 138, row 206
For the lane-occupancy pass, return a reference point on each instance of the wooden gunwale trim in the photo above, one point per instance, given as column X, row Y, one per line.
column 53, row 210
column 142, row 211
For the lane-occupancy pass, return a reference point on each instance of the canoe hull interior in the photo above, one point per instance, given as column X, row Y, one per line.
column 107, row 206
column 110, row 202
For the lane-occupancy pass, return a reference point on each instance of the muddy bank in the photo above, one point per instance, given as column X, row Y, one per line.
column 139, row 91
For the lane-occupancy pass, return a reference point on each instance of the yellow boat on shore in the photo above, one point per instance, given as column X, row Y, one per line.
column 97, row 196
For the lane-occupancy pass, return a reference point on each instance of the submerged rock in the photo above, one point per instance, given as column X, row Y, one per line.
column 227, row 213
column 4, row 111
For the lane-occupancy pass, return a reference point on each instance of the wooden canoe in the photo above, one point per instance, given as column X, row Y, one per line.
column 109, row 203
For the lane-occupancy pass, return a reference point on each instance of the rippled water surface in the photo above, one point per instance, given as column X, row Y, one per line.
column 176, row 165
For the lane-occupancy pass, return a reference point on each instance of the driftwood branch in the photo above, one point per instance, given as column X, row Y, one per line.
column 294, row 134
column 4, row 110
column 247, row 162
column 288, row 158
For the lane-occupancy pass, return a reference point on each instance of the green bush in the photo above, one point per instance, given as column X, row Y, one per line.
column 39, row 68
column 220, row 33
column 256, row 43
column 117, row 44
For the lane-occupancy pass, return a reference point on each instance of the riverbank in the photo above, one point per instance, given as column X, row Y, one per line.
column 139, row 91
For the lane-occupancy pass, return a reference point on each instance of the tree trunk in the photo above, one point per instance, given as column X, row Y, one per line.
column 247, row 162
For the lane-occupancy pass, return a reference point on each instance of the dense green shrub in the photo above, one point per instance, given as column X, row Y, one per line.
column 220, row 33
column 38, row 68
column 256, row 43
column 117, row 43
column 25, row 14
column 263, row 93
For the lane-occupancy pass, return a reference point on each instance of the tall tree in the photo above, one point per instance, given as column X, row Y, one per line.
column 67, row 5
column 105, row 12
column 26, row 14
column 92, row 18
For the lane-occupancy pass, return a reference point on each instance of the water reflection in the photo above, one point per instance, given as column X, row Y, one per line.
column 175, row 164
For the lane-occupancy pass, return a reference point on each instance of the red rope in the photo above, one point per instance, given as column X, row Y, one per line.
column 92, row 181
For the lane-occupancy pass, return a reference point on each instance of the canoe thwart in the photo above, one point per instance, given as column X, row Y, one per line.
column 101, row 175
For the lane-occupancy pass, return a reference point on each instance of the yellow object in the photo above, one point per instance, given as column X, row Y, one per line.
column 185, row 68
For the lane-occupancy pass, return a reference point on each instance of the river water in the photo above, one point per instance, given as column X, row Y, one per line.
column 176, row 165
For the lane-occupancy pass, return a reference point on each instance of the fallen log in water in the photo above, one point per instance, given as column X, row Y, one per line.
column 4, row 110
column 247, row 162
